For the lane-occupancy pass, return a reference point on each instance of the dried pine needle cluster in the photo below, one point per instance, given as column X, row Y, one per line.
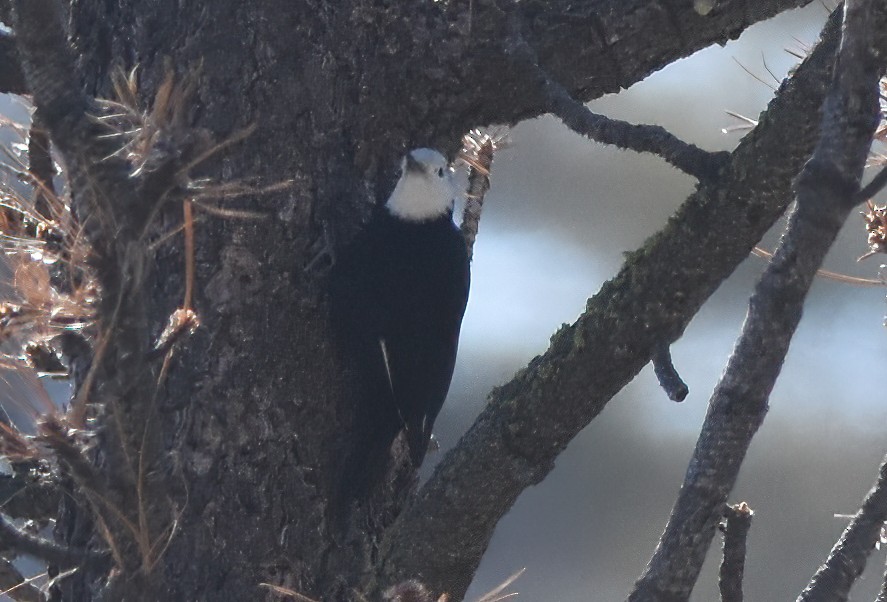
column 875, row 216
column 148, row 137
column 49, row 322
column 478, row 148
column 52, row 294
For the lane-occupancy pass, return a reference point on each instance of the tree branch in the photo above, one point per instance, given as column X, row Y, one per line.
column 24, row 543
column 12, row 583
column 873, row 187
column 669, row 379
column 826, row 193
column 847, row 559
column 113, row 209
column 529, row 421
column 689, row 158
column 40, row 164
column 737, row 521
column 12, row 80
column 591, row 47
column 99, row 180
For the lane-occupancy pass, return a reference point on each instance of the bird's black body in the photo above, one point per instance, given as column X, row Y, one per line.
column 398, row 293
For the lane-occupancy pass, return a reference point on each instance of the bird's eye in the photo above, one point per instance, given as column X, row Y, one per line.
column 440, row 172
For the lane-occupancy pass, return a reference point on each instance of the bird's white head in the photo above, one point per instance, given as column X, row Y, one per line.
column 425, row 189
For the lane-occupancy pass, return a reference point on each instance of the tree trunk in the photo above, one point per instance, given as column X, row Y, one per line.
column 247, row 431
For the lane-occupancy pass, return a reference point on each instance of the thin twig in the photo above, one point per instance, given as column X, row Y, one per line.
column 826, row 193
column 701, row 164
column 848, row 557
column 836, row 276
column 495, row 594
column 289, row 593
column 16, row 586
column 527, row 422
column 737, row 521
column 669, row 379
column 188, row 221
column 40, row 165
column 874, row 187
column 25, row 543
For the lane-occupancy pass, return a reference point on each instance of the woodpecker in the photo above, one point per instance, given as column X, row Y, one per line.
column 398, row 293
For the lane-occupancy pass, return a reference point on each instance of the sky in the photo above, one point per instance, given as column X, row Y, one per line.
column 562, row 212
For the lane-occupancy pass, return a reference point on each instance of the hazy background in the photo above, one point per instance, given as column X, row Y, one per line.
column 561, row 213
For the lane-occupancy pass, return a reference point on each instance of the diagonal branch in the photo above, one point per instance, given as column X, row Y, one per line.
column 847, row 559
column 874, row 187
column 99, row 181
column 14, row 584
column 591, row 47
column 529, row 421
column 826, row 193
column 24, row 543
column 689, row 158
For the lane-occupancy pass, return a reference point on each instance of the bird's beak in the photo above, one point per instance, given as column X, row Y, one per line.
column 410, row 164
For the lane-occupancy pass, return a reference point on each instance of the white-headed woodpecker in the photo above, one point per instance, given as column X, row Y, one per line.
column 398, row 292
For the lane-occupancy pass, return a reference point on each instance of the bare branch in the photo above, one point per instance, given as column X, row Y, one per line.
column 669, row 379
column 592, row 48
column 99, row 180
column 847, row 559
column 40, row 163
column 529, row 421
column 737, row 521
column 24, row 543
column 655, row 139
column 826, row 193
column 49, row 69
column 873, row 187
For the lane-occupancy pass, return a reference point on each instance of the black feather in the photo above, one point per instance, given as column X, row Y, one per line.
column 398, row 293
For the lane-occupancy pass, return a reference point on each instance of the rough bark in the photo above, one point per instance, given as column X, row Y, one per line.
column 827, row 190
column 735, row 525
column 12, row 80
column 848, row 557
column 248, row 428
column 529, row 421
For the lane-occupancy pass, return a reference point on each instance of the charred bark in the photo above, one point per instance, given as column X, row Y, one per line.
column 248, row 426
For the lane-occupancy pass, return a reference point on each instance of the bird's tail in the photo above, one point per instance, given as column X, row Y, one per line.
column 367, row 462
column 418, row 439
